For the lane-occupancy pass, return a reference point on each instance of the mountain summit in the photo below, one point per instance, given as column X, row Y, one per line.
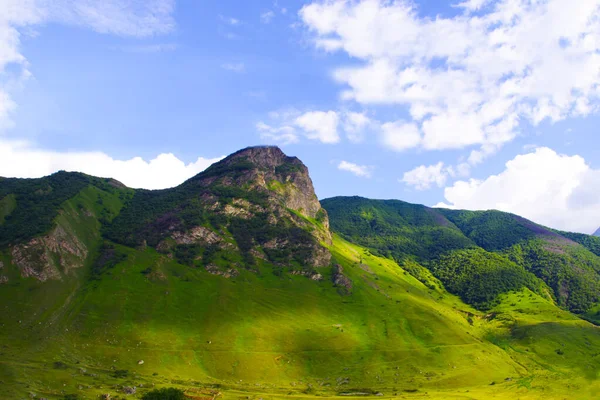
column 268, row 168
column 597, row 233
column 255, row 206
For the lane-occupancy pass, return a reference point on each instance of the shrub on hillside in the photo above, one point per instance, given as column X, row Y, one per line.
column 164, row 394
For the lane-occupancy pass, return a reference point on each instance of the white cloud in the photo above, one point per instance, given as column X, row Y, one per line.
column 267, row 16
column 553, row 189
column 287, row 125
column 400, row 135
column 466, row 80
column 234, row 67
column 363, row 171
column 22, row 160
column 284, row 134
column 320, row 125
column 423, row 177
column 472, row 5
column 119, row 17
column 355, row 125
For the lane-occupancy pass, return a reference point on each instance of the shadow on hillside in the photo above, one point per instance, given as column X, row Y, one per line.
column 571, row 346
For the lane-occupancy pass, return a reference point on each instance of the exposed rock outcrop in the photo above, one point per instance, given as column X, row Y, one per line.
column 272, row 169
column 45, row 257
column 315, row 276
column 228, row 273
column 260, row 203
column 341, row 281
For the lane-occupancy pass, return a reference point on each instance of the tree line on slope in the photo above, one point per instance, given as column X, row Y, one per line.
column 482, row 253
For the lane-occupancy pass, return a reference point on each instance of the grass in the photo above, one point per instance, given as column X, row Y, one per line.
column 267, row 336
column 270, row 335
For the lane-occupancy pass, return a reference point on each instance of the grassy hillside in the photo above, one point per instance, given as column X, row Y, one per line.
column 282, row 334
column 394, row 228
column 28, row 207
column 477, row 254
column 212, row 287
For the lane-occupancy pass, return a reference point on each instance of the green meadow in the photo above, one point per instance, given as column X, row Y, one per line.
column 269, row 335
column 132, row 319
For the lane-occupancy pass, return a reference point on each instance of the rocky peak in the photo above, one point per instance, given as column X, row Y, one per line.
column 256, row 204
column 269, row 169
column 597, row 233
column 263, row 157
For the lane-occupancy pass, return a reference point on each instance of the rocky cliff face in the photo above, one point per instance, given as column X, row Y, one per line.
column 45, row 257
column 255, row 206
column 268, row 169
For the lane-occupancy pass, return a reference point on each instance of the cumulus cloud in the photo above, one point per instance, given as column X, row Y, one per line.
column 400, row 135
column 469, row 79
column 320, row 125
column 355, row 125
column 131, row 18
column 424, row 177
column 552, row 189
column 283, row 134
column 22, row 160
column 287, row 125
column 118, row 17
column 363, row 171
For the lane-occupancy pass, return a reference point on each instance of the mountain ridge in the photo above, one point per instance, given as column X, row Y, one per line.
column 405, row 231
column 241, row 279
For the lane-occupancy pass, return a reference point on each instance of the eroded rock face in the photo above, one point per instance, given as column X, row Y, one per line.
column 197, row 235
column 341, row 281
column 44, row 257
column 257, row 187
column 257, row 205
column 228, row 273
column 315, row 276
column 285, row 177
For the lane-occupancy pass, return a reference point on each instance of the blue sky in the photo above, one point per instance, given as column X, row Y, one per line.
column 474, row 105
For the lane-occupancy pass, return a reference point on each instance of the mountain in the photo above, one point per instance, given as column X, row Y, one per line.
column 597, row 233
column 235, row 282
column 255, row 206
column 519, row 252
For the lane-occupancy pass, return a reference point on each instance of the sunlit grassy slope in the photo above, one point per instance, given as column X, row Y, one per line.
column 272, row 334
column 268, row 335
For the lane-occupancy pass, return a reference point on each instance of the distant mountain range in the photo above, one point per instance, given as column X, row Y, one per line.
column 241, row 281
column 597, row 233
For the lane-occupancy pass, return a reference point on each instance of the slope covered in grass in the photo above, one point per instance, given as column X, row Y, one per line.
column 208, row 288
column 395, row 228
column 445, row 241
column 28, row 207
column 284, row 334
